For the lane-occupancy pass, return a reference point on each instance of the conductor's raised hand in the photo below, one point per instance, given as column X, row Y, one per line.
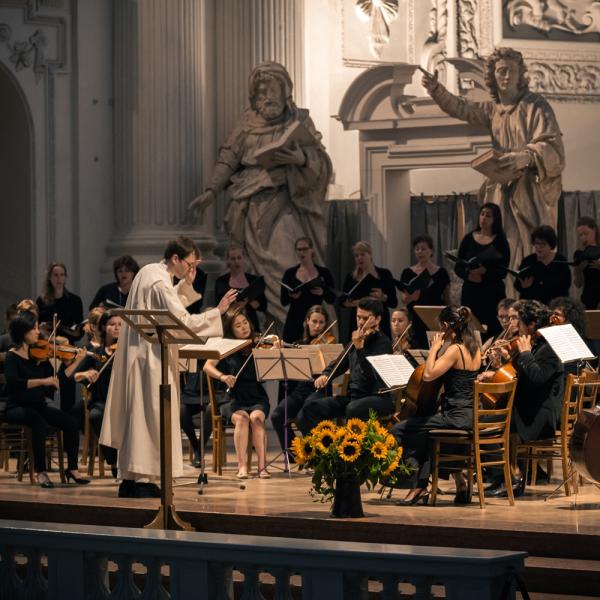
column 199, row 204
column 226, row 301
column 429, row 81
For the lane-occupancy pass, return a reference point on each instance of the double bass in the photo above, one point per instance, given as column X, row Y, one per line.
column 585, row 444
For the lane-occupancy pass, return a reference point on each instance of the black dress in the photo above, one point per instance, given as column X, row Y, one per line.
column 456, row 412
column 222, row 287
column 108, row 295
column 590, row 294
column 348, row 315
column 69, row 311
column 294, row 322
column 550, row 281
column 199, row 286
column 248, row 394
column 433, row 295
column 539, row 393
column 482, row 298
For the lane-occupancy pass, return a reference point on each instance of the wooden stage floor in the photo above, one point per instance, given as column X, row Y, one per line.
column 562, row 535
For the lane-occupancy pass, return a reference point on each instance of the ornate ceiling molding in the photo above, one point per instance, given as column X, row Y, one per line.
column 379, row 14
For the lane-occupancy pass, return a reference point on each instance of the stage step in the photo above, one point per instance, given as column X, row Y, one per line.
column 565, row 577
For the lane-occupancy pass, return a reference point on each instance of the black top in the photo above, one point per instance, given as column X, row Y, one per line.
column 539, row 394
column 199, row 286
column 433, row 295
column 222, row 287
column 294, row 321
column 364, row 381
column 550, row 281
column 18, row 371
column 111, row 292
column 99, row 389
column 69, row 310
column 590, row 294
column 482, row 298
column 389, row 289
column 247, row 391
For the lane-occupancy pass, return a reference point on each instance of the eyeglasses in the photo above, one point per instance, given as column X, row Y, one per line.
column 191, row 266
column 513, row 318
column 503, row 318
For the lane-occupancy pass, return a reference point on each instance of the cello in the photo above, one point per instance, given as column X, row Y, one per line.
column 585, row 444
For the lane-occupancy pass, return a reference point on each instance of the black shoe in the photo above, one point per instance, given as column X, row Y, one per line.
column 421, row 496
column 518, row 487
column 78, row 480
column 496, row 483
column 462, row 496
column 147, row 490
column 196, row 460
column 44, row 481
column 127, row 489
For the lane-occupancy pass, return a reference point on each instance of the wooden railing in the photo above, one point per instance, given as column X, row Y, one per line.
column 55, row 561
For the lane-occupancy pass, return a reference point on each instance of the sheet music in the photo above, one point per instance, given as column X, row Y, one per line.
column 394, row 369
column 566, row 343
column 224, row 346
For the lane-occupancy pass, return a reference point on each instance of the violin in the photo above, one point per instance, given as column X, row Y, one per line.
column 324, row 338
column 45, row 350
column 402, row 341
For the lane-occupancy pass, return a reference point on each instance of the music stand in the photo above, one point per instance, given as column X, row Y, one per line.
column 160, row 326
column 429, row 315
column 220, row 348
column 283, row 364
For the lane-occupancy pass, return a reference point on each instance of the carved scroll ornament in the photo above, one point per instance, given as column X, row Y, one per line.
column 573, row 16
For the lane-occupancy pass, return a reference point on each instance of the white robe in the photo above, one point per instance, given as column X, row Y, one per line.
column 132, row 415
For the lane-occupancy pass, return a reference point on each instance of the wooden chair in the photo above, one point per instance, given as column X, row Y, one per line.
column 486, row 445
column 580, row 392
column 90, row 447
column 220, row 431
column 14, row 440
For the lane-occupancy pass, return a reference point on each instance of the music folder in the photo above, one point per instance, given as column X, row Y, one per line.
column 306, row 286
column 418, row 282
column 362, row 289
column 253, row 290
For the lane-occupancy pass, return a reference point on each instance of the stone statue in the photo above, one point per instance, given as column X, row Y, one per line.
column 525, row 132
column 269, row 208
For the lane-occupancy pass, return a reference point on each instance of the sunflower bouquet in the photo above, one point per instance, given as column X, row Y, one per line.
column 361, row 450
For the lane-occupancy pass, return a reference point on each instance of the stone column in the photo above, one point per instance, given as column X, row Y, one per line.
column 246, row 34
column 163, row 78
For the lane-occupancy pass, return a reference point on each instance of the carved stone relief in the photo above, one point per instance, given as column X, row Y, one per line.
column 434, row 50
column 379, row 14
column 566, row 81
column 28, row 53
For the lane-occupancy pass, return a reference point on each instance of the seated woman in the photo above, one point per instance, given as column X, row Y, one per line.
column 315, row 322
column 401, row 327
column 93, row 338
column 435, row 294
column 125, row 268
column 550, row 276
column 28, row 383
column 540, row 385
column 458, row 365
column 384, row 290
column 92, row 370
column 249, row 400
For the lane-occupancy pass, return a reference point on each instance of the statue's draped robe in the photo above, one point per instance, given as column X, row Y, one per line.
column 269, row 210
column 132, row 415
column 530, row 124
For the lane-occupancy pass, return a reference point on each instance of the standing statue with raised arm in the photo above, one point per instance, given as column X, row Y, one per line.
column 525, row 132
column 271, row 205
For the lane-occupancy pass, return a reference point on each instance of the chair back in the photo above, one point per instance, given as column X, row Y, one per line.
column 492, row 425
column 590, row 382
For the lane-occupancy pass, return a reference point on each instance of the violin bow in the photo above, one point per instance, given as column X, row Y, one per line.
column 260, row 339
column 401, row 337
column 320, row 337
column 108, row 361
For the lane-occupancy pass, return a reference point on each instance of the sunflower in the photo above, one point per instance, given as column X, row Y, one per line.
column 327, row 424
column 324, row 439
column 378, row 450
column 356, row 426
column 393, row 466
column 349, row 451
column 389, row 441
column 298, row 450
column 380, row 430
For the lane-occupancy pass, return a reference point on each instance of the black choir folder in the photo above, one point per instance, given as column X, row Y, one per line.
column 488, row 164
column 363, row 288
column 488, row 256
column 306, row 286
column 296, row 132
column 419, row 282
column 253, row 290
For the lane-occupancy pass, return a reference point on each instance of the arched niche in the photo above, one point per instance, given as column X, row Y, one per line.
column 398, row 133
column 16, row 191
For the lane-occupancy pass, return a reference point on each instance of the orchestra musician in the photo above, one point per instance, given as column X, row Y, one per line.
column 550, row 276
column 435, row 294
column 299, row 302
column 385, row 291
column 540, row 386
column 249, row 400
column 362, row 396
column 454, row 356
column 315, row 323
column 91, row 329
column 402, row 329
column 483, row 286
column 587, row 272
column 125, row 268
column 238, row 279
column 29, row 382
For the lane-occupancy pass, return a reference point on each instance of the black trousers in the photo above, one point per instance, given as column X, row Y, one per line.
column 40, row 419
column 318, row 407
column 186, row 414
column 96, row 412
column 299, row 393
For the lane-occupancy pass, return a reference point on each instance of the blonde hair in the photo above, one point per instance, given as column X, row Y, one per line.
column 27, row 304
column 91, row 327
column 361, row 246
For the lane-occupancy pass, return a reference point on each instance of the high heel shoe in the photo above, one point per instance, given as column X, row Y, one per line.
column 44, row 481
column 78, row 480
column 421, row 496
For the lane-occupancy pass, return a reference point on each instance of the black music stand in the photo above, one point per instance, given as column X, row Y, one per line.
column 283, row 364
column 160, row 326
